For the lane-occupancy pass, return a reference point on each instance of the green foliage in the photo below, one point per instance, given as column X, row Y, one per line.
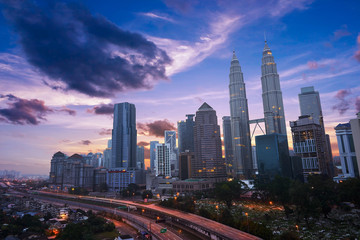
column 86, row 229
column 349, row 191
column 229, row 191
column 78, row 191
column 185, row 204
column 131, row 190
column 289, row 236
column 147, row 194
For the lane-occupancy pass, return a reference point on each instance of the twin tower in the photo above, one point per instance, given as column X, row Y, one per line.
column 273, row 111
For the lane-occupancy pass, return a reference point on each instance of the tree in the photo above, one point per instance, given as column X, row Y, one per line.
column 147, row 194
column 228, row 191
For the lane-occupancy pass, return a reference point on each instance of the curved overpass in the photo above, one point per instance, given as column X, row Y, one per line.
column 207, row 227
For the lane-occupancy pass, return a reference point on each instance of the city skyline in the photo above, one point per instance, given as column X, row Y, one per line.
column 47, row 107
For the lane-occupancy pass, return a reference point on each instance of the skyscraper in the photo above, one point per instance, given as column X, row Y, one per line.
column 349, row 164
column 271, row 94
column 170, row 138
column 162, row 160
column 153, row 154
column 228, row 144
column 186, row 134
column 124, row 136
column 240, row 130
column 107, row 155
column 355, row 128
column 140, row 157
column 208, row 162
column 310, row 105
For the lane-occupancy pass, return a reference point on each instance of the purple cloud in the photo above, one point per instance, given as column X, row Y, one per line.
column 22, row 111
column 357, row 104
column 85, row 142
column 105, row 131
column 87, row 53
column 343, row 105
column 102, row 109
column 155, row 128
column 68, row 111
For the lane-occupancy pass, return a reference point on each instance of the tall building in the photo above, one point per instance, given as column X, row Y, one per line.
column 272, row 154
column 170, row 138
column 107, row 155
column 153, row 154
column 208, row 162
column 185, row 163
column 349, row 164
column 355, row 128
column 271, row 94
column 140, row 157
column 308, row 143
column 229, row 156
column 162, row 160
column 124, row 136
column 310, row 105
column 186, row 134
column 240, row 130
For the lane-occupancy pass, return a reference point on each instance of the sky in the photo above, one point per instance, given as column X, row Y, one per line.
column 63, row 64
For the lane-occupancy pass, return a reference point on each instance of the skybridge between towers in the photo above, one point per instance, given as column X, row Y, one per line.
column 256, row 122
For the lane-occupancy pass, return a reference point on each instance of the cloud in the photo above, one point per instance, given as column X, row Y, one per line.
column 68, row 111
column 156, row 128
column 22, row 111
column 357, row 53
column 340, row 33
column 313, row 65
column 182, row 6
column 85, row 53
column 344, row 104
column 144, row 144
column 357, row 104
column 102, row 109
column 85, row 142
column 156, row 16
column 105, row 131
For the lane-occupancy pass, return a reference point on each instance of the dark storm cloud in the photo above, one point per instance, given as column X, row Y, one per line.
column 88, row 53
column 85, row 142
column 104, row 109
column 155, row 128
column 105, row 131
column 344, row 104
column 22, row 111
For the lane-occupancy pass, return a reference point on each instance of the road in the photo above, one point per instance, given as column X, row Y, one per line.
column 144, row 221
column 209, row 225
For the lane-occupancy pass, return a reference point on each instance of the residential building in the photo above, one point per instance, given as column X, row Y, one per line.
column 308, row 143
column 162, row 160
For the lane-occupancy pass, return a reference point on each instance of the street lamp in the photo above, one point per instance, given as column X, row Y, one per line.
column 247, row 220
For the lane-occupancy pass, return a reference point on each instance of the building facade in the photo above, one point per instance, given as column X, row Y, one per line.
column 240, row 130
column 349, row 164
column 186, row 134
column 208, row 162
column 308, row 143
column 272, row 154
column 170, row 138
column 228, row 147
column 271, row 94
column 162, row 160
column 140, row 164
column 124, row 136
column 153, row 154
column 185, row 162
column 355, row 128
